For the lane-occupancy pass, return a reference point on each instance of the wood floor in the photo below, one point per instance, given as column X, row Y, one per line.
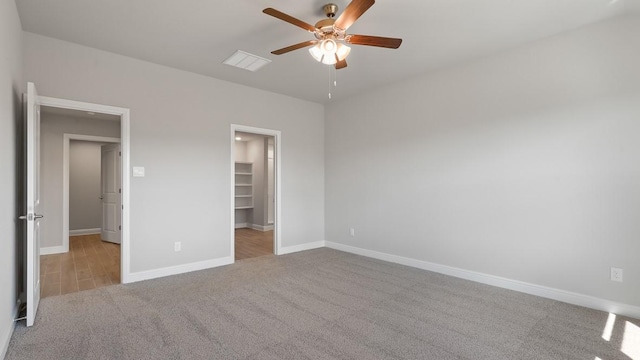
column 253, row 243
column 90, row 263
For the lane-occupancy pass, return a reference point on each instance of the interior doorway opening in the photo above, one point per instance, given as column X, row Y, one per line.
column 255, row 220
column 81, row 247
column 36, row 214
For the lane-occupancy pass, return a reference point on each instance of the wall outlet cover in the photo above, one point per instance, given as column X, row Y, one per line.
column 616, row 274
column 177, row 246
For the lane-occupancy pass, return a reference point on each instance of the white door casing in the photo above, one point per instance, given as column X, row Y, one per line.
column 270, row 184
column 125, row 136
column 111, row 193
column 33, row 205
column 277, row 136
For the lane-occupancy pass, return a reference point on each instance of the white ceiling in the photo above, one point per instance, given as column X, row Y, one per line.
column 197, row 35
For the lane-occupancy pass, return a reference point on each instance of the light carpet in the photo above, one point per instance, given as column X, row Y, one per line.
column 317, row 304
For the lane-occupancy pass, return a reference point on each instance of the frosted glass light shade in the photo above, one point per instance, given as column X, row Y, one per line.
column 328, row 50
column 342, row 51
column 316, row 53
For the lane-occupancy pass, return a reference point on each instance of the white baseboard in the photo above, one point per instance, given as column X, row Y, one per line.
column 53, row 250
column 261, row 227
column 179, row 269
column 302, row 247
column 84, row 232
column 9, row 332
column 527, row 288
column 241, row 225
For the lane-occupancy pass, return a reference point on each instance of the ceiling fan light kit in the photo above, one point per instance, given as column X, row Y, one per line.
column 331, row 34
column 329, row 52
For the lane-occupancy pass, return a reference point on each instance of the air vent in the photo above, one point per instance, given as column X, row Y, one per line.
column 244, row 60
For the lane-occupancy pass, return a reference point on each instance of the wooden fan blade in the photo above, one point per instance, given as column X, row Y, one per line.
column 354, row 10
column 379, row 41
column 341, row 64
column 294, row 47
column 290, row 19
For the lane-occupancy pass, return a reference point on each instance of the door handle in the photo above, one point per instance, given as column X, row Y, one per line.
column 100, row 197
column 30, row 217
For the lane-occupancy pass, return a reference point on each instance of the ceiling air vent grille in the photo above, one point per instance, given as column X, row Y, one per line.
column 246, row 61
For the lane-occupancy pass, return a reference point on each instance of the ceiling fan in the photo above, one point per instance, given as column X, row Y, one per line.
column 331, row 33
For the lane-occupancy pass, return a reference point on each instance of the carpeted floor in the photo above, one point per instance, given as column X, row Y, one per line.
column 318, row 304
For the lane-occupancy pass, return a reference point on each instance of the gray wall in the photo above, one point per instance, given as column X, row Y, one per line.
column 85, row 207
column 180, row 132
column 522, row 165
column 11, row 88
column 53, row 127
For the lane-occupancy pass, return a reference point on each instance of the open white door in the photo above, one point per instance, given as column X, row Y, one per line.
column 111, row 199
column 33, row 205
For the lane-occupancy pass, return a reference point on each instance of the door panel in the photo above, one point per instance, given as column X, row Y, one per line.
column 33, row 205
column 111, row 196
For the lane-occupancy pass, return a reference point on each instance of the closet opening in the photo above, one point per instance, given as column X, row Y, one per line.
column 255, row 200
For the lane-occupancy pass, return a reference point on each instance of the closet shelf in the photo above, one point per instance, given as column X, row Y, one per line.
column 243, row 185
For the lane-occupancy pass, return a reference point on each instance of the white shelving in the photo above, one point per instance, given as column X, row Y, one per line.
column 243, row 185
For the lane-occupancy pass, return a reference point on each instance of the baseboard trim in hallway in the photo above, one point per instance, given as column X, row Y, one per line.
column 520, row 286
column 85, row 232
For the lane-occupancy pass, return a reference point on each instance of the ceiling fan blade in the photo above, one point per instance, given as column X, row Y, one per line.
column 353, row 11
column 341, row 64
column 379, row 41
column 294, row 47
column 290, row 19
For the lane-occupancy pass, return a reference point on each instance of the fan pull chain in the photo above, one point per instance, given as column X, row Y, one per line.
column 330, row 78
column 335, row 76
column 333, row 82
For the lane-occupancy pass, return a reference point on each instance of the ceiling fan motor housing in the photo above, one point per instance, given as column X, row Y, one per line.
column 330, row 10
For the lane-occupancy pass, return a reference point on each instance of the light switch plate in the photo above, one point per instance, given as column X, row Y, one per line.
column 138, row 171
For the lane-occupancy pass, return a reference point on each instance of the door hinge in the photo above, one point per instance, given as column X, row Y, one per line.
column 119, row 153
column 120, row 191
column 119, row 227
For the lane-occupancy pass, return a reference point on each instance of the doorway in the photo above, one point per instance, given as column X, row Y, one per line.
column 83, row 149
column 35, row 214
column 255, row 195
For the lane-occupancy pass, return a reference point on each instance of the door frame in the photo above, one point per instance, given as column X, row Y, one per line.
column 277, row 224
column 125, row 139
column 65, row 177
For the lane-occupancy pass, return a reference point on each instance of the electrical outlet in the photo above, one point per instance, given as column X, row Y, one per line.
column 352, row 232
column 177, row 246
column 616, row 274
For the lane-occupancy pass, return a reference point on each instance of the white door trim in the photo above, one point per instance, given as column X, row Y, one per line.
column 277, row 135
column 65, row 178
column 125, row 139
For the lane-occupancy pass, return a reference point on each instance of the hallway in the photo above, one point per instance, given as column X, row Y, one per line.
column 90, row 263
